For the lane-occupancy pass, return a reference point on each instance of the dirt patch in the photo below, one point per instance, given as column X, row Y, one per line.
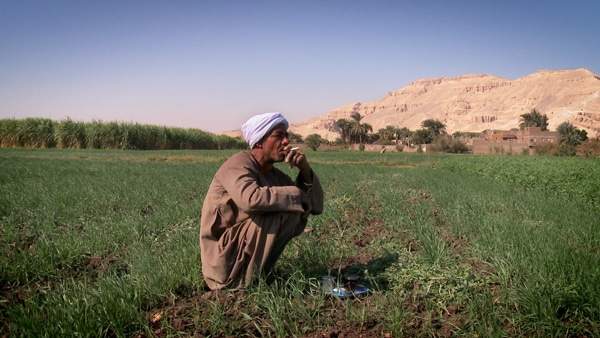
column 192, row 315
column 98, row 265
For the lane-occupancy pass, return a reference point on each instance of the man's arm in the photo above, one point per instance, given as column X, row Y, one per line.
column 308, row 181
column 239, row 179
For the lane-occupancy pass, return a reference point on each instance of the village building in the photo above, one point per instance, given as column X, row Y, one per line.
column 511, row 141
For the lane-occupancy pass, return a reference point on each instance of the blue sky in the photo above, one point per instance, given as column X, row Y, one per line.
column 213, row 64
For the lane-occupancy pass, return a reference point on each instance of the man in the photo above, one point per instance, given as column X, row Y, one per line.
column 252, row 209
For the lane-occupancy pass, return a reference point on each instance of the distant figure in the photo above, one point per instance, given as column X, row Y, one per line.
column 252, row 210
column 382, row 150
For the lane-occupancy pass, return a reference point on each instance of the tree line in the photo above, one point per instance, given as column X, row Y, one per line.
column 46, row 133
column 433, row 132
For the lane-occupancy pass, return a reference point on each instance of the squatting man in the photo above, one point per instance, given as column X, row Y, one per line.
column 252, row 210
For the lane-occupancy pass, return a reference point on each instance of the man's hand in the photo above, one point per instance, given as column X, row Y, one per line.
column 292, row 153
column 306, row 205
column 297, row 159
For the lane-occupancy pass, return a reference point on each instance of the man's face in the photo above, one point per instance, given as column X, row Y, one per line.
column 274, row 143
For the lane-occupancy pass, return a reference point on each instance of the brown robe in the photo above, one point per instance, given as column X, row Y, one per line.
column 248, row 219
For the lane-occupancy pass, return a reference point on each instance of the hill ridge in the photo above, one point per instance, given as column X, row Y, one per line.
column 475, row 102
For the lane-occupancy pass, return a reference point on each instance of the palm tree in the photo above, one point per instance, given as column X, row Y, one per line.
column 422, row 136
column 358, row 129
column 568, row 134
column 534, row 119
column 344, row 126
column 403, row 134
column 387, row 133
column 367, row 129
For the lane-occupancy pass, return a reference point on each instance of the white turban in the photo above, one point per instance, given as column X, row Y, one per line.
column 258, row 126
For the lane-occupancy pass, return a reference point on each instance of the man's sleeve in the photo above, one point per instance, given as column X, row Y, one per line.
column 314, row 192
column 239, row 178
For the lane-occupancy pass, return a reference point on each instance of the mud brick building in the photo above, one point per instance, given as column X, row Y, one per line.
column 511, row 141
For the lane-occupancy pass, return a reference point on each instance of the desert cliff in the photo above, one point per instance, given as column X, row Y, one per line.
column 476, row 102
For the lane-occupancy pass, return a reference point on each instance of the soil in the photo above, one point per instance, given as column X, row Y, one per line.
column 177, row 313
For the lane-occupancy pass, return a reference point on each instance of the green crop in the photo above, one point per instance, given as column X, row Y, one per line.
column 105, row 243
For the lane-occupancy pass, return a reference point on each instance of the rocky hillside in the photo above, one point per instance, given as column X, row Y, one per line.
column 476, row 103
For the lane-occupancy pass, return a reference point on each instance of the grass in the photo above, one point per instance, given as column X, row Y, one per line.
column 94, row 243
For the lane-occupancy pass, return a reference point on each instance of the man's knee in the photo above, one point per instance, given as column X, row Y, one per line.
column 278, row 223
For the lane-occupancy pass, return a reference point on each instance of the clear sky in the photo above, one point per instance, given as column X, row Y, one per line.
column 212, row 64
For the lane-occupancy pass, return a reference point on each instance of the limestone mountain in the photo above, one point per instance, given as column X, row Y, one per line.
column 473, row 103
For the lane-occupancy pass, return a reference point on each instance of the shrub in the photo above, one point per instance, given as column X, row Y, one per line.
column 313, row 141
column 545, row 148
column 566, row 150
column 447, row 144
column 458, row 147
column 590, row 148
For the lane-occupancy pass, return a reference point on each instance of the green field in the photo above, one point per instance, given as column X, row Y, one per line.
column 101, row 243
